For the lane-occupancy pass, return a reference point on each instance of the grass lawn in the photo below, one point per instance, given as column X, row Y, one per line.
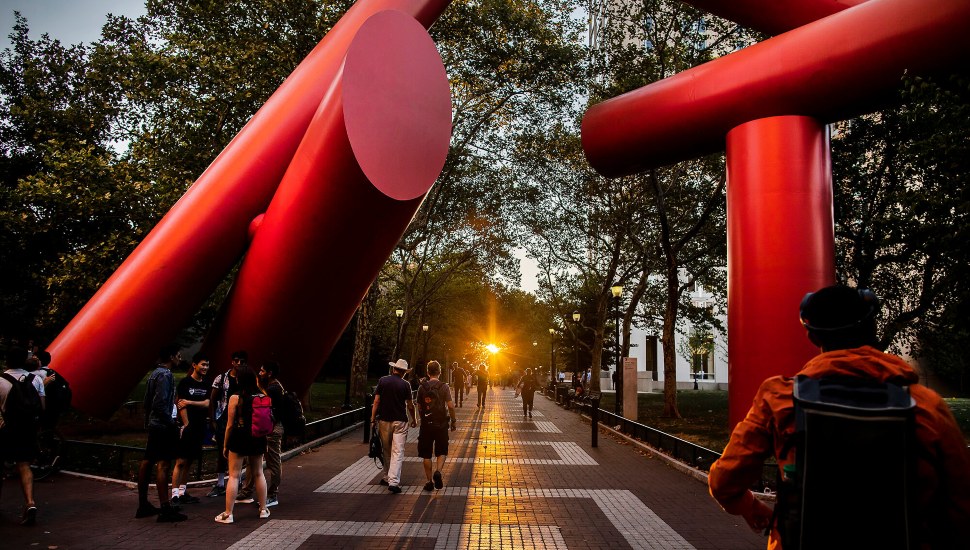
column 705, row 415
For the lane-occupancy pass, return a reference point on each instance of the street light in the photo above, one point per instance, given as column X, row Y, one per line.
column 424, row 350
column 576, row 318
column 552, row 355
column 397, row 344
column 617, row 290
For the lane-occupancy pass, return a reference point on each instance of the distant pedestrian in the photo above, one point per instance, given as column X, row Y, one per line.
column 192, row 394
column 458, row 381
column 163, row 437
column 435, row 406
column 393, row 410
column 527, row 387
column 482, row 385
column 241, row 445
column 18, row 430
column 224, row 386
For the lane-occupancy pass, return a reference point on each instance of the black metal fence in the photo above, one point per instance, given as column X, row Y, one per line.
column 122, row 461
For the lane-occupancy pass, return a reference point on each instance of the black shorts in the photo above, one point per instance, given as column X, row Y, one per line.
column 162, row 444
column 190, row 443
column 432, row 440
column 18, row 445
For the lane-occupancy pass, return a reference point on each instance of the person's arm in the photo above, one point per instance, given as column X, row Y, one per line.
column 411, row 413
column 214, row 396
column 373, row 409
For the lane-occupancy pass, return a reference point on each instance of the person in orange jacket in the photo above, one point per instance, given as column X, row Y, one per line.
column 841, row 321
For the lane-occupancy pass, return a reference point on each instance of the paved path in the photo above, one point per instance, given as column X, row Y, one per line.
column 510, row 482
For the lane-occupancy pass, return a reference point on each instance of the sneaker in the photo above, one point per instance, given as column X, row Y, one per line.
column 243, row 499
column 394, row 489
column 30, row 516
column 264, row 513
column 273, row 501
column 217, row 491
column 530, row 414
column 146, row 511
column 437, row 480
column 224, row 518
column 187, row 499
column 170, row 515
column 429, row 486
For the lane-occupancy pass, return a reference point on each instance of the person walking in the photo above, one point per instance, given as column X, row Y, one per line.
column 841, row 321
column 435, row 406
column 393, row 410
column 18, row 432
column 527, row 386
column 458, row 381
column 482, row 385
column 163, row 437
column 192, row 393
column 242, row 446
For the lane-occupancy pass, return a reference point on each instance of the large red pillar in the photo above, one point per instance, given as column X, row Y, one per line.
column 780, row 246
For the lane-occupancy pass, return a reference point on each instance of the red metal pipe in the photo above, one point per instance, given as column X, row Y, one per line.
column 375, row 146
column 780, row 246
column 152, row 295
column 772, row 16
column 830, row 69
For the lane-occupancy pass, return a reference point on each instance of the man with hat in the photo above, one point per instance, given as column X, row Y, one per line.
column 394, row 411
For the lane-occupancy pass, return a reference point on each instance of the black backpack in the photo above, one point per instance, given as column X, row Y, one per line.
column 59, row 394
column 22, row 408
column 434, row 410
column 855, row 466
column 291, row 410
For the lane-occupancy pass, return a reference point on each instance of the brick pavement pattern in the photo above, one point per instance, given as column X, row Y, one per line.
column 509, row 482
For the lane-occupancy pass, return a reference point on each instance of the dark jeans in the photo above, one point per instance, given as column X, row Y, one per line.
column 482, row 390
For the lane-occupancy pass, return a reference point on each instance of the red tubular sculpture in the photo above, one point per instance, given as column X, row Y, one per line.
column 374, row 148
column 830, row 69
column 108, row 346
column 779, row 183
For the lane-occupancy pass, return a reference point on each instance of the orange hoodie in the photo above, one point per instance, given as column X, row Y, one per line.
column 943, row 471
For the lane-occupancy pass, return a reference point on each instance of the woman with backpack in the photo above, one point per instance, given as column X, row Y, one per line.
column 241, row 444
column 527, row 387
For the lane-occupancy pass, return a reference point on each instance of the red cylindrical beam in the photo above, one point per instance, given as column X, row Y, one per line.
column 780, row 246
column 772, row 16
column 113, row 340
column 374, row 148
column 830, row 69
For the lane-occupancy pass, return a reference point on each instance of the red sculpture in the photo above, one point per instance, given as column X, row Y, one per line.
column 113, row 340
column 770, row 103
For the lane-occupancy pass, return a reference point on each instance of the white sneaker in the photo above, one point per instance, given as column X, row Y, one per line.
column 224, row 518
column 271, row 502
column 264, row 513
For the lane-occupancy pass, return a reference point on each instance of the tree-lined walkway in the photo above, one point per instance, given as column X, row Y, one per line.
column 510, row 482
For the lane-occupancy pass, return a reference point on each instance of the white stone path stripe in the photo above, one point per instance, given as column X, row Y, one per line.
column 290, row 534
column 638, row 524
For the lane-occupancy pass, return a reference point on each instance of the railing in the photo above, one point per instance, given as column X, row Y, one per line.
column 122, row 461
column 681, row 450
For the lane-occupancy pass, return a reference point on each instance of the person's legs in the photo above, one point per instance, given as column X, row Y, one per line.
column 144, row 471
column 274, row 461
column 386, row 433
column 256, row 465
column 400, row 434
column 161, row 481
column 232, row 484
column 27, row 487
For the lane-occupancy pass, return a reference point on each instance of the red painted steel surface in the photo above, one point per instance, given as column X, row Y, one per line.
column 830, row 69
column 374, row 148
column 780, row 246
column 114, row 339
column 773, row 16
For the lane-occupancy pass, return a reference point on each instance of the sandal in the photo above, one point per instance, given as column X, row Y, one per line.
column 224, row 518
column 264, row 513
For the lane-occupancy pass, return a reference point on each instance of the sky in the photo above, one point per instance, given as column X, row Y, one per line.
column 73, row 21
column 70, row 21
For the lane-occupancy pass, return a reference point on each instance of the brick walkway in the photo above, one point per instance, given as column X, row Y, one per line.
column 510, row 482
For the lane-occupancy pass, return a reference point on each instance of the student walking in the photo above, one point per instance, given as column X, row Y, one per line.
column 435, row 406
column 393, row 410
column 527, row 386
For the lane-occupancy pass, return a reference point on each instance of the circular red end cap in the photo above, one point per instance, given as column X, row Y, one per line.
column 397, row 105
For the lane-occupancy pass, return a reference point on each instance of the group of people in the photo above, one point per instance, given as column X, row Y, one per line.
column 177, row 418
column 26, row 378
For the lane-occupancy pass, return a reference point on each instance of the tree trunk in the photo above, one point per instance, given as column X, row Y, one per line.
column 362, row 345
column 668, row 342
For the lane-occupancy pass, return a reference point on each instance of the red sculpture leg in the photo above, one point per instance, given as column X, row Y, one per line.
column 375, row 146
column 772, row 16
column 780, row 246
column 113, row 340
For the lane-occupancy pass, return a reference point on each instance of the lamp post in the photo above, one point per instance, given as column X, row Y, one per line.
column 576, row 318
column 617, row 290
column 397, row 344
column 424, row 350
column 552, row 355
